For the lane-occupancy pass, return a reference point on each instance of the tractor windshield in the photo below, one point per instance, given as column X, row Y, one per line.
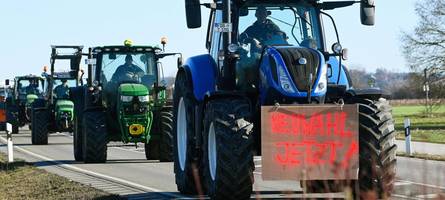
column 31, row 86
column 279, row 25
column 135, row 67
column 69, row 82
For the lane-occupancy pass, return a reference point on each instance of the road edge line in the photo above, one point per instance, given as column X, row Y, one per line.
column 46, row 159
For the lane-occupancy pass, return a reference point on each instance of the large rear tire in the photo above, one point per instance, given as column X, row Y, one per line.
column 39, row 131
column 94, row 137
column 377, row 152
column 227, row 144
column 77, row 140
column 183, row 127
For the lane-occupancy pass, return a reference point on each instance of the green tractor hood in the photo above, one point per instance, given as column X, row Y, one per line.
column 133, row 89
column 30, row 98
column 64, row 114
column 134, row 115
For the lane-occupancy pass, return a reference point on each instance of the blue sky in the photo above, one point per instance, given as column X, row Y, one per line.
column 28, row 28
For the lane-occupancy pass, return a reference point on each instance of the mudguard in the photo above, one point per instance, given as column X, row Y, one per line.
column 202, row 70
column 370, row 93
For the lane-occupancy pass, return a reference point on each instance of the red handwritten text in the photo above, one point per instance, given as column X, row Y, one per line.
column 318, row 124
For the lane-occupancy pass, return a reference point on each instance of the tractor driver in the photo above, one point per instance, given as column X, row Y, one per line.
column 62, row 90
column 33, row 87
column 127, row 71
column 263, row 30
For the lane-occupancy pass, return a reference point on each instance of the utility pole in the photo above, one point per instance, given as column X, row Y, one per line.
column 426, row 89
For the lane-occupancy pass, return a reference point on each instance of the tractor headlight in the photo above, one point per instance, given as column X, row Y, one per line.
column 143, row 98
column 126, row 98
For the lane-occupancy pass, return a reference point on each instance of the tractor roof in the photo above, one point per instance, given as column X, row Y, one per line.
column 62, row 75
column 29, row 77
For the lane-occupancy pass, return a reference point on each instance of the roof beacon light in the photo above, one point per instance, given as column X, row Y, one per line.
column 128, row 43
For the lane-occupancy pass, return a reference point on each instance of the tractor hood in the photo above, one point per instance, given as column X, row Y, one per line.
column 294, row 71
column 133, row 89
column 64, row 105
column 30, row 98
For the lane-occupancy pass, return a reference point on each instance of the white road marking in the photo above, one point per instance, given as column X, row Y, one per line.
column 428, row 196
column 423, row 184
column 44, row 158
column 400, row 183
column 405, row 197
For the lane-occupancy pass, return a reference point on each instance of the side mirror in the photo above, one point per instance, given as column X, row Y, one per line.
column 367, row 12
column 193, row 13
column 7, row 82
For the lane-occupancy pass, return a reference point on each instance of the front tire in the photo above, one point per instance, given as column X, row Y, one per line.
column 15, row 129
column 227, row 144
column 94, row 137
column 39, row 131
column 77, row 140
column 166, row 142
column 162, row 148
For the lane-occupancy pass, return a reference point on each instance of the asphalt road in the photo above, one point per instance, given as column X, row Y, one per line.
column 128, row 173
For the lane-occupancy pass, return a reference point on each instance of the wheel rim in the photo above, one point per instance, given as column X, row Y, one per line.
column 212, row 151
column 181, row 134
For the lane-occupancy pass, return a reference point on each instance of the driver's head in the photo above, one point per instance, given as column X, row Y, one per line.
column 261, row 13
column 128, row 59
column 64, row 81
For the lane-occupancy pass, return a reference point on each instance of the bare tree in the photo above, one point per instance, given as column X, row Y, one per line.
column 424, row 48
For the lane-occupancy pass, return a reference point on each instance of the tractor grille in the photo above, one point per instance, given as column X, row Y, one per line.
column 135, row 108
column 300, row 73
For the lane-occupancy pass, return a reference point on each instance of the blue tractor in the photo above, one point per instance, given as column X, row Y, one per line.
column 270, row 53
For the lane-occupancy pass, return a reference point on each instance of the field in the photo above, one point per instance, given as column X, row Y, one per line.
column 424, row 128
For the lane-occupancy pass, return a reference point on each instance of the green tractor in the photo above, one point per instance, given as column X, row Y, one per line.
column 26, row 90
column 56, row 112
column 124, row 100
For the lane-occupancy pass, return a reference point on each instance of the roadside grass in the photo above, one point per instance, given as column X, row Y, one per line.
column 424, row 128
column 432, row 136
column 28, row 182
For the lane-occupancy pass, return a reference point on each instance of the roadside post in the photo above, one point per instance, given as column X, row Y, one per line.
column 407, row 125
column 10, row 145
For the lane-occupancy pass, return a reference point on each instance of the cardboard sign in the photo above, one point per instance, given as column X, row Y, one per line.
column 307, row 142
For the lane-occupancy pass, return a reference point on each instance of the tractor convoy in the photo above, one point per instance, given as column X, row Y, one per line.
column 270, row 85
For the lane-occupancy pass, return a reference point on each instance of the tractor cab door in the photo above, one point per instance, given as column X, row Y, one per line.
column 214, row 38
